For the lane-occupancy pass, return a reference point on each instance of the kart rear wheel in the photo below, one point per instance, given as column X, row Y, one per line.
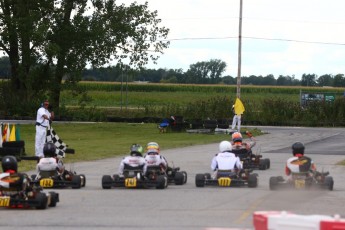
column 42, row 200
column 106, row 182
column 179, row 178
column 162, row 182
column 252, row 181
column 76, row 181
column 329, row 182
column 268, row 163
column 200, row 180
column 273, row 183
column 83, row 180
column 184, row 176
column 54, row 198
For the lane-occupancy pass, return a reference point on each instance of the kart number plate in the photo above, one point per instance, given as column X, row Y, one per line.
column 131, row 182
column 46, row 183
column 224, row 181
column 299, row 183
column 5, row 201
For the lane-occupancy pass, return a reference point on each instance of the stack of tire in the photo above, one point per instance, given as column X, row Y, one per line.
column 14, row 148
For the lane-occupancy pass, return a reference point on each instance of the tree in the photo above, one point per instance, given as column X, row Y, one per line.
column 308, row 80
column 339, row 80
column 206, row 72
column 325, row 80
column 47, row 41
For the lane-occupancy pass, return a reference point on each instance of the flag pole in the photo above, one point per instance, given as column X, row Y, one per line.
column 239, row 53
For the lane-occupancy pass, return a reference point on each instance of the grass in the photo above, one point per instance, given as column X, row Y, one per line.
column 93, row 141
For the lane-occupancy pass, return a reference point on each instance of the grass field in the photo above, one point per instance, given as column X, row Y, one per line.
column 92, row 141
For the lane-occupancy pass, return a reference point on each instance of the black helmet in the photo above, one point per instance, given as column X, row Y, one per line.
column 49, row 149
column 136, row 150
column 298, row 147
column 9, row 163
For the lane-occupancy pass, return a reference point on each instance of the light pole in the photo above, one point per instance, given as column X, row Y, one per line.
column 238, row 94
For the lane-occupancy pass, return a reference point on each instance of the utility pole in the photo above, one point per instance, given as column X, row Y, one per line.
column 238, row 94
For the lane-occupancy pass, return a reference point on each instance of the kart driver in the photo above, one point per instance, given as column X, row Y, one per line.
column 299, row 163
column 240, row 148
column 152, row 156
column 50, row 161
column 225, row 160
column 12, row 182
column 134, row 161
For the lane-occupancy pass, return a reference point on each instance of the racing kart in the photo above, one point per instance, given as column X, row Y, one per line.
column 301, row 181
column 133, row 177
column 30, row 197
column 54, row 179
column 226, row 178
column 252, row 161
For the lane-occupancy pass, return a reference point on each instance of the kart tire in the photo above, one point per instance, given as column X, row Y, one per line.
column 42, row 200
column 200, row 180
column 268, row 163
column 179, row 178
column 252, row 181
column 184, row 176
column 83, row 180
column 273, row 183
column 13, row 144
column 106, row 182
column 262, row 164
column 162, row 182
column 76, row 182
column 329, row 183
column 54, row 198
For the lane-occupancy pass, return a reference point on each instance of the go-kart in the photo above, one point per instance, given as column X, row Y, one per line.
column 300, row 181
column 175, row 176
column 31, row 197
column 252, row 161
column 54, row 179
column 227, row 178
column 133, row 177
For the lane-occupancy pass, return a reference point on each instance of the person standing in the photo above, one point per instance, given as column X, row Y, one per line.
column 237, row 109
column 43, row 119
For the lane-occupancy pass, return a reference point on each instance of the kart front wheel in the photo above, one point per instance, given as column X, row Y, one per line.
column 162, row 182
column 200, row 180
column 329, row 182
column 179, row 178
column 273, row 183
column 54, row 198
column 106, row 182
column 252, row 181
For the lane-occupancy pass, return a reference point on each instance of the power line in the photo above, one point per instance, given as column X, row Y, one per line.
column 256, row 38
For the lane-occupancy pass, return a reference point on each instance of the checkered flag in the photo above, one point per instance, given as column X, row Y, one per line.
column 55, row 139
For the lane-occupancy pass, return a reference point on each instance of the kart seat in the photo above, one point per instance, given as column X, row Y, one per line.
column 130, row 171
column 241, row 153
column 225, row 173
column 48, row 174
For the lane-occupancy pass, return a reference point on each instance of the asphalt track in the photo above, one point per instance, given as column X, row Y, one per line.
column 189, row 207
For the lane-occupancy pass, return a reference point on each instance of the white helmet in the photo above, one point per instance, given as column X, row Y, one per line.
column 225, row 146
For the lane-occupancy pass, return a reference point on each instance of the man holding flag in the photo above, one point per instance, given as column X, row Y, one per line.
column 238, row 109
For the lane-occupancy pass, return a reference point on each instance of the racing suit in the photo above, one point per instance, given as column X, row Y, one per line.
column 13, row 183
column 155, row 159
column 138, row 162
column 299, row 164
column 50, row 164
column 226, row 161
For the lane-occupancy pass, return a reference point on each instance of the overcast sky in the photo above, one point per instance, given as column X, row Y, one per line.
column 280, row 37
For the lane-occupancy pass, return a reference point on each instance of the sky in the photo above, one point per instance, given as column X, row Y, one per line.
column 279, row 37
